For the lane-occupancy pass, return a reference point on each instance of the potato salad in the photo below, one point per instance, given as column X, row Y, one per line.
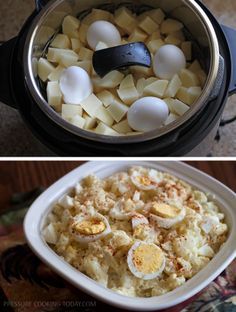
column 140, row 233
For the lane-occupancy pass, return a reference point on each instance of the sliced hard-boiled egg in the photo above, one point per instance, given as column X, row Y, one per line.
column 165, row 215
column 124, row 209
column 87, row 229
column 145, row 261
column 138, row 219
column 145, row 179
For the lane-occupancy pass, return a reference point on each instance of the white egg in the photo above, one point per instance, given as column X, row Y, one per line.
column 146, row 260
column 75, row 85
column 145, row 179
column 103, row 31
column 124, row 209
column 147, row 114
column 87, row 229
column 168, row 61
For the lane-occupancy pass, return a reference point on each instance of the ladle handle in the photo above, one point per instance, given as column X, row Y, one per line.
column 230, row 35
column 6, row 56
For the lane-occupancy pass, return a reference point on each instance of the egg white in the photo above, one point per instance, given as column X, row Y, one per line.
column 167, row 223
column 151, row 176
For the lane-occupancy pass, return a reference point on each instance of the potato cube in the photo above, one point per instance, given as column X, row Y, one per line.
column 85, row 54
column 137, row 35
column 54, row 95
column 195, row 67
column 61, row 41
column 45, row 68
column 140, row 71
column 127, row 82
column 105, row 130
column 91, row 105
column 103, row 115
column 170, row 103
column 97, row 15
column 170, row 39
column 141, row 83
column 188, row 78
column 111, row 80
column 189, row 95
column 150, row 80
column 122, row 127
column 68, row 60
column 156, row 88
column 177, row 107
column 56, row 73
column 155, row 45
column 125, row 19
column 69, row 111
column 128, row 95
column 106, row 97
column 76, row 45
column 77, row 121
column 170, row 25
column 59, row 55
column 90, row 122
column 173, row 86
column 171, row 118
column 202, row 77
column 157, row 15
column 70, row 26
column 186, row 47
column 156, row 35
column 148, row 25
column 83, row 32
column 101, row 46
column 86, row 65
column 117, row 110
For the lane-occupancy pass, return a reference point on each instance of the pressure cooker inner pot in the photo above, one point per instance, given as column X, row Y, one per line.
column 197, row 28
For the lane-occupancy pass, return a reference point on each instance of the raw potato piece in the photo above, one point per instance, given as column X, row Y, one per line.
column 140, row 71
column 155, row 45
column 137, row 35
column 148, row 25
column 78, row 121
column 127, row 82
column 129, row 95
column 101, row 46
column 86, row 65
column 103, row 115
column 195, row 67
column 91, row 105
column 98, row 15
column 189, row 95
column 122, row 127
column 141, row 84
column 106, row 97
column 157, row 15
column 70, row 26
column 177, row 107
column 186, row 47
column 156, row 35
column 56, row 73
column 117, row 110
column 156, row 88
column 83, row 32
column 54, row 95
column 85, row 54
column 189, row 79
column 69, row 111
column 125, row 19
column 104, row 129
column 111, row 80
column 45, row 68
column 61, row 41
column 170, row 25
column 90, row 122
column 170, row 39
column 173, row 86
column 60, row 55
column 171, row 118
column 76, row 45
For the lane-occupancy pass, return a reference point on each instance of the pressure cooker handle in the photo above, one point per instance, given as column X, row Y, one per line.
column 230, row 35
column 6, row 56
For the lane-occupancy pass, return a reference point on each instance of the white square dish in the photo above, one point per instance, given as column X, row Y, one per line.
column 225, row 198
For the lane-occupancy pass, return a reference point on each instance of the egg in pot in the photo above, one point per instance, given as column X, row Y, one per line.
column 87, row 229
column 145, row 260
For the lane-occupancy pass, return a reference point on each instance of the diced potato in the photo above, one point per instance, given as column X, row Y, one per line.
column 137, row 35
column 104, row 129
column 156, row 35
column 179, row 35
column 176, row 106
column 61, row 41
column 85, row 54
column 98, row 15
column 157, row 15
column 171, row 118
column 106, row 97
column 111, row 80
column 91, row 105
column 170, row 25
column 148, row 25
column 86, row 65
column 155, row 45
column 101, row 46
column 68, row 60
column 150, row 80
column 170, row 39
column 76, row 45
column 202, row 77
column 188, row 95
column 45, row 68
column 90, row 122
column 188, row 78
column 140, row 71
column 128, row 95
column 77, row 121
column 117, row 110
column 103, row 115
column 68, row 111
column 56, row 55
column 70, row 26
column 186, row 47
column 83, row 32
column 195, row 66
column 54, row 95
column 125, row 19
column 141, row 83
column 173, row 86
column 156, row 88
column 56, row 73
column 122, row 127
column 127, row 82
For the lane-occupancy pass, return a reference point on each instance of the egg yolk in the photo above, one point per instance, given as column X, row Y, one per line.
column 144, row 181
column 164, row 210
column 147, row 258
column 90, row 227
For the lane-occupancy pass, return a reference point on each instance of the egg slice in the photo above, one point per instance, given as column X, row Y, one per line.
column 87, row 229
column 124, row 209
column 145, row 180
column 75, row 85
column 145, row 261
column 168, row 61
column 165, row 215
column 147, row 114
column 138, row 219
column 103, row 31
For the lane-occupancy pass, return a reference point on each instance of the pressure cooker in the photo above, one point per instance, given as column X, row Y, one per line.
column 192, row 134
